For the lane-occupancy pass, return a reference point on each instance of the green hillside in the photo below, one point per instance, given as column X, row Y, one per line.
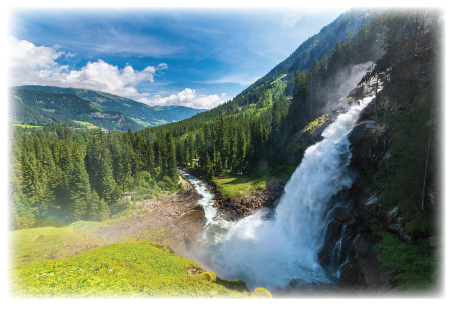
column 141, row 113
column 126, row 269
column 43, row 107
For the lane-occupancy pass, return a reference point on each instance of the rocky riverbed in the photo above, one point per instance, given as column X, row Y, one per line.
column 233, row 209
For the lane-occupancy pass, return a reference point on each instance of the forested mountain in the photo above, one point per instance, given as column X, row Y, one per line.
column 40, row 107
column 143, row 114
column 256, row 136
column 315, row 47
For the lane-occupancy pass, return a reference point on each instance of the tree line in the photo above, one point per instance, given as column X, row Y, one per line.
column 68, row 175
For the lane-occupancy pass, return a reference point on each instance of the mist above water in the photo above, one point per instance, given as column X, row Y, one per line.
column 269, row 249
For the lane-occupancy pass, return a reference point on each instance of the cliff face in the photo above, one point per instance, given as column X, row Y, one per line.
column 348, row 241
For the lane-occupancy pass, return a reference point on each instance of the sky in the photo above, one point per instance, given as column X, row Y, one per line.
column 195, row 57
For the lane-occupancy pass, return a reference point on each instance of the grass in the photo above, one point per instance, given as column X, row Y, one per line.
column 415, row 266
column 26, row 126
column 159, row 122
column 95, row 107
column 132, row 269
column 235, row 185
column 88, row 125
column 33, row 246
column 141, row 122
column 316, row 124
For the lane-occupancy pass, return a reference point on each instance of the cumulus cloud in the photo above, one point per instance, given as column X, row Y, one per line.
column 37, row 65
column 187, row 97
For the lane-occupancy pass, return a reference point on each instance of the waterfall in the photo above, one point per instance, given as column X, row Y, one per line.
column 270, row 249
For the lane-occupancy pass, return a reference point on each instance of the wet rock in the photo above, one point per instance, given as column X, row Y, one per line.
column 358, row 93
column 372, row 201
column 362, row 246
column 394, row 227
column 393, row 213
column 351, row 276
column 341, row 214
column 342, row 225
column 366, row 112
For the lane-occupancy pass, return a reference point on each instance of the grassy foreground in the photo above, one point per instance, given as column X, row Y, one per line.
column 73, row 261
column 132, row 269
column 30, row 247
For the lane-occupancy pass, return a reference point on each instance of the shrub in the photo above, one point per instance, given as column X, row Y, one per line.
column 261, row 293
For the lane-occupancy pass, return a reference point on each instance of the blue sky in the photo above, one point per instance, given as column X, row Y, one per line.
column 192, row 57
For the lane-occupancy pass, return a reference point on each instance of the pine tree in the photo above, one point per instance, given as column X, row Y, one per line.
column 93, row 210
column 170, row 166
column 104, row 212
column 79, row 188
column 110, row 192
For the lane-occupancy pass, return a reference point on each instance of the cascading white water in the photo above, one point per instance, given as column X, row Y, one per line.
column 270, row 250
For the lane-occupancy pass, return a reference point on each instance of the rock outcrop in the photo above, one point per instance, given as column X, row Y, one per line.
column 237, row 208
column 348, row 241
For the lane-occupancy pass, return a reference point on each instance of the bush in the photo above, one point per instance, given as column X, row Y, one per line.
column 169, row 184
column 120, row 206
column 414, row 265
column 261, row 293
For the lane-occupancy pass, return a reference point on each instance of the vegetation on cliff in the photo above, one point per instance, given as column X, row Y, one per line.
column 410, row 104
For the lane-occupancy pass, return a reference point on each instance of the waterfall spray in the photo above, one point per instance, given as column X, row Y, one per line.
column 270, row 250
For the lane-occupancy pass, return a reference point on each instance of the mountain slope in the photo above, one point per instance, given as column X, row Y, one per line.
column 41, row 107
column 141, row 113
column 183, row 111
column 319, row 47
column 320, row 44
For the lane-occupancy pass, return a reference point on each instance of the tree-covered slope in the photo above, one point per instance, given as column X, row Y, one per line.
column 141, row 113
column 315, row 47
column 44, row 107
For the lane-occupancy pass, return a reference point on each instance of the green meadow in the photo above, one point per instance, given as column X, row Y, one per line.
column 73, row 262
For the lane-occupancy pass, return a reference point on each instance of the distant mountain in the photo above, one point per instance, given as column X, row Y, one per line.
column 143, row 114
column 39, row 106
column 182, row 111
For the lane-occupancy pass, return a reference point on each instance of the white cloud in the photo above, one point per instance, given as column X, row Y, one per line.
column 36, row 65
column 234, row 79
column 187, row 97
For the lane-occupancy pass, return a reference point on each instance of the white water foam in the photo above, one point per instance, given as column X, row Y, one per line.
column 270, row 250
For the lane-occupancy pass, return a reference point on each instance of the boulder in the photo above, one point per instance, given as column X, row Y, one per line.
column 193, row 215
column 358, row 92
column 341, row 214
column 394, row 227
column 393, row 213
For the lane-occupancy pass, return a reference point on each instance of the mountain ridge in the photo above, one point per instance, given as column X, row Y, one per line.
column 142, row 114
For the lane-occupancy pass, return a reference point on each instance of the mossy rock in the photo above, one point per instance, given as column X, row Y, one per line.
column 261, row 293
column 209, row 276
